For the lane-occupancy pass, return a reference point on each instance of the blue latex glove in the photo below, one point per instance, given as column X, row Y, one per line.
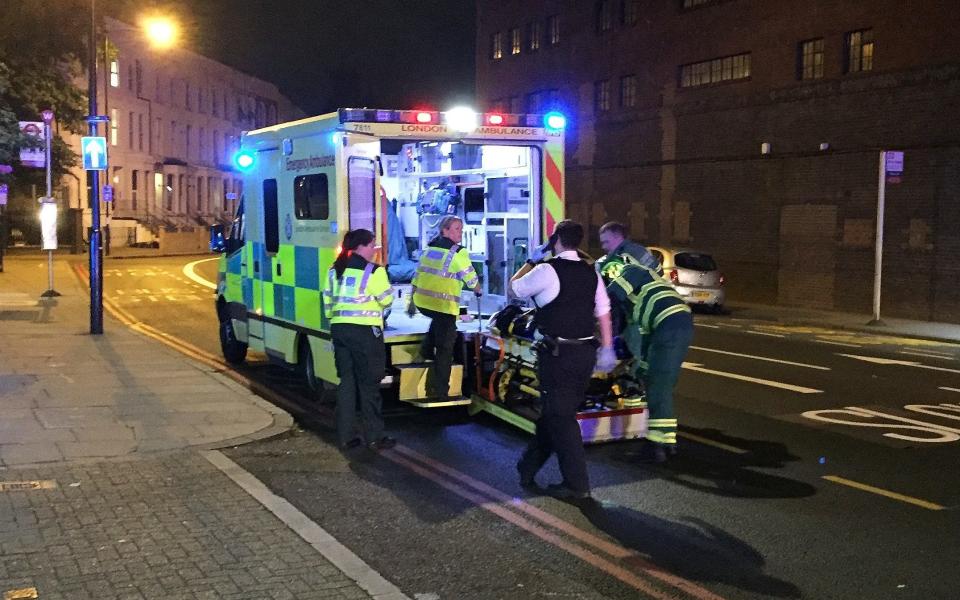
column 606, row 359
column 411, row 307
column 539, row 253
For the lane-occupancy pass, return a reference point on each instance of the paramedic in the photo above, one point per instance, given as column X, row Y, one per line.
column 443, row 270
column 355, row 298
column 620, row 250
column 659, row 328
column 570, row 299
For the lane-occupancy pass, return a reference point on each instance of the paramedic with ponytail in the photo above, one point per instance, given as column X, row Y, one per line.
column 356, row 295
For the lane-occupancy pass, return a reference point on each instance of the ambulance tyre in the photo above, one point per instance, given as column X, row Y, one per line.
column 233, row 349
column 320, row 390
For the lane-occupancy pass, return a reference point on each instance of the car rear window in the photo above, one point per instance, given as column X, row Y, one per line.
column 695, row 261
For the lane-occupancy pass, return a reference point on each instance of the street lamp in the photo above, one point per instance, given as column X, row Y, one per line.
column 96, row 258
column 161, row 31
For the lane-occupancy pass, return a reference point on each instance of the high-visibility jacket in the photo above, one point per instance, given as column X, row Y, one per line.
column 359, row 296
column 610, row 266
column 443, row 270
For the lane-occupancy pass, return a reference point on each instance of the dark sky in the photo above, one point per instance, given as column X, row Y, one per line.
column 325, row 54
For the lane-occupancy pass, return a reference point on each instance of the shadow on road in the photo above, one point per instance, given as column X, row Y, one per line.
column 692, row 549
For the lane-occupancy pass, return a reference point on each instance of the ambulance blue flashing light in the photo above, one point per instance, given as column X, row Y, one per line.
column 554, row 120
column 244, row 160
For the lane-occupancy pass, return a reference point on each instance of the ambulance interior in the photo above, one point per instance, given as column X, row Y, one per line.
column 494, row 188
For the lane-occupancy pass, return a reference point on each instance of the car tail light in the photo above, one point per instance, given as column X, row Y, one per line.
column 722, row 279
column 674, row 277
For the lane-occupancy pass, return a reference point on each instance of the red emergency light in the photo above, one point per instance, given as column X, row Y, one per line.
column 424, row 117
column 495, row 119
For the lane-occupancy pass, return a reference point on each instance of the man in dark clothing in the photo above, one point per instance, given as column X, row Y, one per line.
column 570, row 298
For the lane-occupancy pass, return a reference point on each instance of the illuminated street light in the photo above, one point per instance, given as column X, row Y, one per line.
column 161, row 31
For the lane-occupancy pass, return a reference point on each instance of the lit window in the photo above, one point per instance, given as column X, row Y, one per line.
column 534, row 33
column 114, row 73
column 496, row 46
column 114, row 126
column 553, row 28
column 605, row 11
column 811, row 59
column 601, row 95
column 515, row 41
column 718, row 70
column 628, row 91
column 860, row 51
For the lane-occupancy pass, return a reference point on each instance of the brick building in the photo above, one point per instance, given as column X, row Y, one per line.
column 751, row 129
column 175, row 122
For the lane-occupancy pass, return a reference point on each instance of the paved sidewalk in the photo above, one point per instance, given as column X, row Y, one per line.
column 928, row 330
column 108, row 486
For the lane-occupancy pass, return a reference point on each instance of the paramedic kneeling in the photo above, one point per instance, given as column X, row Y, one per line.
column 443, row 270
column 570, row 298
column 356, row 295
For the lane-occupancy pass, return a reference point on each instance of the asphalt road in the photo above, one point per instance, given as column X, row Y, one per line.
column 771, row 497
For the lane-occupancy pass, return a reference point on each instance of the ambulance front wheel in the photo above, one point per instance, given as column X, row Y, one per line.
column 233, row 349
column 320, row 390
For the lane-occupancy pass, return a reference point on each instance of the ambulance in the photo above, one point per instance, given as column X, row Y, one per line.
column 398, row 173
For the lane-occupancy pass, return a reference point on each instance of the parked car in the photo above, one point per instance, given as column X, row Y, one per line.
column 694, row 275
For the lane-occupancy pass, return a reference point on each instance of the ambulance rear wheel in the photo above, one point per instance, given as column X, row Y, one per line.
column 320, row 390
column 233, row 349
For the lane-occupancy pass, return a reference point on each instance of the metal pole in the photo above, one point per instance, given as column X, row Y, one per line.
column 878, row 249
column 48, row 140
column 96, row 258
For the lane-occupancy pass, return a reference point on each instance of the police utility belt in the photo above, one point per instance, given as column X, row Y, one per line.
column 551, row 344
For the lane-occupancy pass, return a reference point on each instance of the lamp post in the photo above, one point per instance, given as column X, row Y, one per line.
column 48, row 208
column 96, row 256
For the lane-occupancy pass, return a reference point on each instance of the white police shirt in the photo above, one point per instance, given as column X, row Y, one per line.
column 543, row 285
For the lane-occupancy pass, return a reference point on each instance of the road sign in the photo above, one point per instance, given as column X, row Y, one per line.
column 894, row 166
column 108, row 193
column 34, row 156
column 94, row 151
column 4, row 190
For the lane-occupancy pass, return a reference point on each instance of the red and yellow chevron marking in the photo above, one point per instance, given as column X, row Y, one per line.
column 553, row 193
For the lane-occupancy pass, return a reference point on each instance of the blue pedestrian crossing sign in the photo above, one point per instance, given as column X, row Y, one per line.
column 94, row 151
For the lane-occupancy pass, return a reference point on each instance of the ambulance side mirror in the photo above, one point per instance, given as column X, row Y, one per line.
column 217, row 241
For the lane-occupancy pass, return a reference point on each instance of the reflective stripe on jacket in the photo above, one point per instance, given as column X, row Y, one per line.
column 440, row 277
column 652, row 299
column 359, row 296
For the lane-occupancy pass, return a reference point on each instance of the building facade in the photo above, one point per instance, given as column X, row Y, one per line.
column 752, row 129
column 175, row 122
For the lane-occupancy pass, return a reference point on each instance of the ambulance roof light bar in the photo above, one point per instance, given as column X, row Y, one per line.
column 460, row 119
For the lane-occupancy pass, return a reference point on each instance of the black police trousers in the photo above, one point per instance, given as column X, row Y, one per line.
column 361, row 359
column 563, row 389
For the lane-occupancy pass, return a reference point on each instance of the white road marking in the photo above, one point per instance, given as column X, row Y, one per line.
column 764, row 358
column 705, row 325
column 928, row 354
column 188, row 270
column 776, row 335
column 901, row 363
column 776, row 384
column 838, row 344
column 949, row 389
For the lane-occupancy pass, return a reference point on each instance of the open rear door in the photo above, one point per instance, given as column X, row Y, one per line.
column 361, row 181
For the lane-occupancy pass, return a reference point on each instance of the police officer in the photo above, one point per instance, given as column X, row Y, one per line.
column 443, row 270
column 356, row 295
column 659, row 328
column 619, row 251
column 570, row 298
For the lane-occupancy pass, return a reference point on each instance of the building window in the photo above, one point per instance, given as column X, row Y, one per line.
column 214, row 106
column 140, row 132
column 157, row 96
column 601, row 95
column 631, row 12
column 515, row 107
column 687, row 4
column 553, row 29
column 130, row 78
column 628, row 91
column 496, row 46
column 158, row 134
column 605, row 11
column 515, row 41
column 114, row 73
column 200, row 108
column 811, row 59
column 114, row 126
column 728, row 68
column 169, row 193
column 139, row 72
column 134, row 184
column 130, row 130
column 172, row 139
column 534, row 34
column 860, row 51
column 534, row 102
column 187, row 100
column 187, row 134
column 201, row 147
